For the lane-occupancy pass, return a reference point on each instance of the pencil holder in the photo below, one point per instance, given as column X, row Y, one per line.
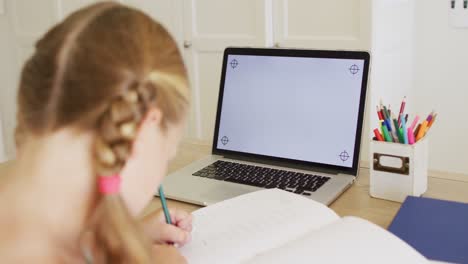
column 398, row 170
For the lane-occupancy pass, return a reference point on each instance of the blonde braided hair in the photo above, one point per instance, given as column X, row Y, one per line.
column 118, row 128
column 101, row 70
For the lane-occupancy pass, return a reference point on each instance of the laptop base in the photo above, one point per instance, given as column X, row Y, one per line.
column 183, row 186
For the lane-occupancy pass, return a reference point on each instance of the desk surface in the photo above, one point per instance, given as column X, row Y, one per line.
column 355, row 201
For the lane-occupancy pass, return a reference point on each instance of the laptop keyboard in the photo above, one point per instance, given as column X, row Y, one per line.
column 300, row 183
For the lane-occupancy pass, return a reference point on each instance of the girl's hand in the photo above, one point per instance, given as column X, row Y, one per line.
column 160, row 232
column 167, row 254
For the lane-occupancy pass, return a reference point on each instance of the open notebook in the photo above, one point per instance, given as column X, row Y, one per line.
column 274, row 226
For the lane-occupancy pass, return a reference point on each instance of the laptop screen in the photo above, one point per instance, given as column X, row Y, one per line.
column 302, row 108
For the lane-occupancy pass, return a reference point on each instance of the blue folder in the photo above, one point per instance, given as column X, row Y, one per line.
column 437, row 229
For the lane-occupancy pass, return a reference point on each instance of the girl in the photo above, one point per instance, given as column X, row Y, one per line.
column 101, row 102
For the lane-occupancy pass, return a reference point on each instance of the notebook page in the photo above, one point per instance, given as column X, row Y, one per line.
column 239, row 228
column 349, row 240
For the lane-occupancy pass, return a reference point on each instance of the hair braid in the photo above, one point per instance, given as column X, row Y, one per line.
column 117, row 129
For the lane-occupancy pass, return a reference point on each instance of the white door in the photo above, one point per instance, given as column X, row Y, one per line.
column 322, row 24
column 209, row 27
column 325, row 24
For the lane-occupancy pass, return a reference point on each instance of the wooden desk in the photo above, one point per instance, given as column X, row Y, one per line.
column 355, row 201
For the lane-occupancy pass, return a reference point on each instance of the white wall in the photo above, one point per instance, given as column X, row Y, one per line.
column 9, row 74
column 392, row 56
column 392, row 53
column 418, row 54
column 441, row 83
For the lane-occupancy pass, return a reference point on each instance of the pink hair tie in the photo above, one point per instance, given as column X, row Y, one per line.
column 109, row 184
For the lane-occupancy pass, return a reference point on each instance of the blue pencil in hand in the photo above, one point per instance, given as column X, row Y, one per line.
column 164, row 205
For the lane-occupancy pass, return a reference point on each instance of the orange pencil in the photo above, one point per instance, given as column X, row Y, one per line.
column 416, row 131
column 422, row 130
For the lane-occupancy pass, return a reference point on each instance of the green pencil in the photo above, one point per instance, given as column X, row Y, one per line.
column 164, row 205
column 386, row 134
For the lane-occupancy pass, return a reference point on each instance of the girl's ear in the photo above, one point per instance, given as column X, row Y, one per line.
column 154, row 116
column 147, row 129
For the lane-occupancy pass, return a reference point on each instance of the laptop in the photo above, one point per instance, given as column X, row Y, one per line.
column 286, row 118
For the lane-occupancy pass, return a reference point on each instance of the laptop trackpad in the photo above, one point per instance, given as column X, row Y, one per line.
column 225, row 191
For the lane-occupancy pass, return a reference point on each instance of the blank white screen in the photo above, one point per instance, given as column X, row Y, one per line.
column 291, row 107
